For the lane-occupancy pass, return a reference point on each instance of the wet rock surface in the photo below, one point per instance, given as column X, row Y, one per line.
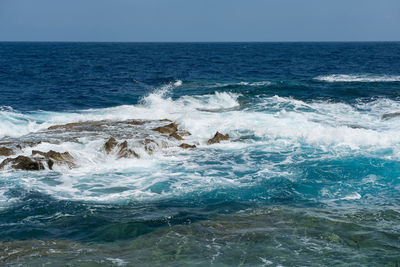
column 218, row 137
column 125, row 152
column 110, row 145
column 390, row 115
column 23, row 163
column 176, row 136
column 167, row 129
column 187, row 146
column 56, row 157
column 5, row 151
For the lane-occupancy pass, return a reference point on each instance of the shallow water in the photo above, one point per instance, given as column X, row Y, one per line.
column 310, row 175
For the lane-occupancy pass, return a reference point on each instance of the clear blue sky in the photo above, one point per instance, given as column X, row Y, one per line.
column 200, row 20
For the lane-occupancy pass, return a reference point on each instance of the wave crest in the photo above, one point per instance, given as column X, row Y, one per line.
column 358, row 78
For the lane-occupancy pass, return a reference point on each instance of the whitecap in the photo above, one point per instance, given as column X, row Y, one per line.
column 358, row 78
column 353, row 196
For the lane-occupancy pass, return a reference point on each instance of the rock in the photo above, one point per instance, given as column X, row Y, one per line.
column 81, row 126
column 390, row 115
column 135, row 122
column 23, row 144
column 355, row 126
column 187, row 146
column 184, row 133
column 56, row 157
column 218, row 137
column 167, row 129
column 176, row 136
column 125, row 152
column 24, row 163
column 167, row 120
column 149, row 145
column 4, row 151
column 164, row 144
column 110, row 145
column 53, row 155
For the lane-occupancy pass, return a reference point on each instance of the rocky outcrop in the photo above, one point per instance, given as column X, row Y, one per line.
column 167, row 129
column 5, row 151
column 218, row 137
column 110, row 145
column 81, row 126
column 390, row 115
column 125, row 152
column 23, row 163
column 55, row 157
column 187, row 146
column 147, row 138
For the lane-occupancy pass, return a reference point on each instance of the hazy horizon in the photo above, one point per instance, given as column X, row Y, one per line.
column 205, row 21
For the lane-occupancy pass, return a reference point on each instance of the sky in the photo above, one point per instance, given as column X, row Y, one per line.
column 199, row 21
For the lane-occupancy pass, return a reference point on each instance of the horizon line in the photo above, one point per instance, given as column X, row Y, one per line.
column 80, row 41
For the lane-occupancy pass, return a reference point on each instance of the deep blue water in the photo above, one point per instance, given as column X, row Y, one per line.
column 310, row 175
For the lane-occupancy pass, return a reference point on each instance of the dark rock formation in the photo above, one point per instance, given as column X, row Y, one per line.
column 176, row 136
column 24, row 163
column 167, row 129
column 53, row 155
column 218, row 137
column 390, row 115
column 125, row 152
column 4, row 151
column 110, row 145
column 187, row 146
column 56, row 157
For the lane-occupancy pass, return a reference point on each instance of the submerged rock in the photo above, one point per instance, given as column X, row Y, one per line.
column 125, row 152
column 218, row 137
column 24, row 163
column 187, row 146
column 184, row 133
column 390, row 115
column 167, row 129
column 136, row 122
column 110, row 145
column 149, row 145
column 5, row 151
column 176, row 136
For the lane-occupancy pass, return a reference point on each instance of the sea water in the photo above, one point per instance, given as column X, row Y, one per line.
column 310, row 175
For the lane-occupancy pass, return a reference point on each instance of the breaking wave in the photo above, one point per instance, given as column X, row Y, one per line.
column 281, row 125
column 358, row 78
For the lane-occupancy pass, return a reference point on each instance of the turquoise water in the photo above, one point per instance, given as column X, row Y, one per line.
column 310, row 175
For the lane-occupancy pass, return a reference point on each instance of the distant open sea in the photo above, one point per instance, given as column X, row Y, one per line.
column 310, row 175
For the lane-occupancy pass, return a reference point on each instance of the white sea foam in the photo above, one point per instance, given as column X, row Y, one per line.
column 243, row 83
column 261, row 83
column 117, row 261
column 352, row 196
column 358, row 78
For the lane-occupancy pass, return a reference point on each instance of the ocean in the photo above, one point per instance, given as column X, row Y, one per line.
column 310, row 174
